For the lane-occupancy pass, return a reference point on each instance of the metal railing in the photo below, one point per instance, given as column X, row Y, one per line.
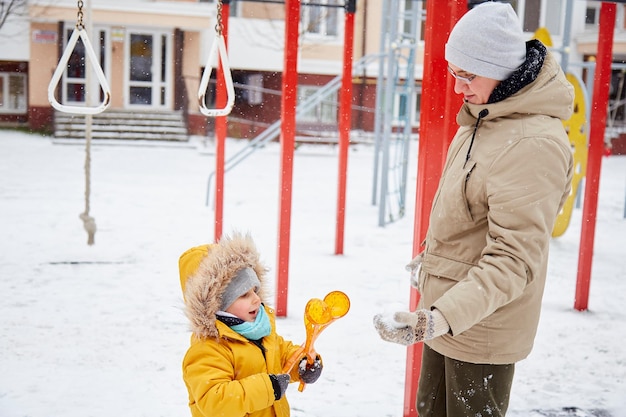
column 273, row 130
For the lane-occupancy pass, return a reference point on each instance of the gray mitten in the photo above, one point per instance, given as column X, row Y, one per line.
column 414, row 268
column 407, row 328
column 280, row 382
column 309, row 372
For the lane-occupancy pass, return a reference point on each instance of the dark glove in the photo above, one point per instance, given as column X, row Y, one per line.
column 309, row 372
column 407, row 328
column 280, row 382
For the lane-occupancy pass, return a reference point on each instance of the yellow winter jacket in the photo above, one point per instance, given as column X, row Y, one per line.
column 229, row 376
column 225, row 373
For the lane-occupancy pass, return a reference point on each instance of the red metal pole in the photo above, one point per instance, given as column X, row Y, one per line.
column 221, row 130
column 287, row 142
column 596, row 148
column 435, row 137
column 345, row 121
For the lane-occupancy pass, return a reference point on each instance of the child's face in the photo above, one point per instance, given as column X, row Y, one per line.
column 246, row 307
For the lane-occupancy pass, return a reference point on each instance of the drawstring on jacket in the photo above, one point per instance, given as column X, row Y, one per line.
column 483, row 113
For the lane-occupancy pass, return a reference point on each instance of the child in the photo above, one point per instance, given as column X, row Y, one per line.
column 234, row 364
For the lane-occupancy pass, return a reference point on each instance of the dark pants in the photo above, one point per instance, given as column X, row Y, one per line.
column 451, row 388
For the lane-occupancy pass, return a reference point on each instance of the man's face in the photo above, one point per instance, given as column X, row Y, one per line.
column 475, row 89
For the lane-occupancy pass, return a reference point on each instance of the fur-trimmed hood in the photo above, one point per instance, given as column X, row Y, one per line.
column 206, row 271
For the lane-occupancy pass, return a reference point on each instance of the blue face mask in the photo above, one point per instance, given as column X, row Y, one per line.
column 256, row 330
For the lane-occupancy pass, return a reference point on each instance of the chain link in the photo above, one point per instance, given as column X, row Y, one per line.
column 79, row 15
column 219, row 26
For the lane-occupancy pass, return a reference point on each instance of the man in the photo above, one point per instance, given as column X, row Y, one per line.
column 482, row 270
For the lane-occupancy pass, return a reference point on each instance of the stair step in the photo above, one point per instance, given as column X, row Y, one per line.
column 124, row 125
column 122, row 135
column 174, row 117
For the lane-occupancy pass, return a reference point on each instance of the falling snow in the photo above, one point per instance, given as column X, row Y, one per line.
column 99, row 330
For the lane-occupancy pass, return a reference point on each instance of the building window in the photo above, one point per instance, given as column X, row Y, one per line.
column 540, row 13
column 324, row 112
column 531, row 18
column 536, row 13
column 592, row 14
column 234, row 5
column 322, row 19
column 254, row 91
column 12, row 93
column 422, row 6
column 408, row 109
column 418, row 107
column 553, row 16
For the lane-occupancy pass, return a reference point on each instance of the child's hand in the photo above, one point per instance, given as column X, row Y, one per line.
column 280, row 382
column 310, row 372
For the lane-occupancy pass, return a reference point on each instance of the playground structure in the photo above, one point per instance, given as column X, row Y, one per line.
column 288, row 128
column 392, row 132
column 432, row 128
column 432, row 149
column 395, row 85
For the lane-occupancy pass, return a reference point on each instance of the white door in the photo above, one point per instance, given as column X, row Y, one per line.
column 148, row 70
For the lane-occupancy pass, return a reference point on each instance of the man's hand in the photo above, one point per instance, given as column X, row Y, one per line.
column 407, row 328
column 414, row 268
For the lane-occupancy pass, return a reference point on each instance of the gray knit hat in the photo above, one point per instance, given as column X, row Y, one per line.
column 242, row 282
column 488, row 41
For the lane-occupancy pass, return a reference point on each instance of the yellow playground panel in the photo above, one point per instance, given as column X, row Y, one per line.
column 576, row 128
column 577, row 132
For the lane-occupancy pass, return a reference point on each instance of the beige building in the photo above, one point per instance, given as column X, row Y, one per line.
column 153, row 54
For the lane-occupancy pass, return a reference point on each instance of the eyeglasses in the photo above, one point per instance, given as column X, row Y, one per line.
column 466, row 80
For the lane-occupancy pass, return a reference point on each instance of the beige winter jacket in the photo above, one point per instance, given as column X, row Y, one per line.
column 486, row 250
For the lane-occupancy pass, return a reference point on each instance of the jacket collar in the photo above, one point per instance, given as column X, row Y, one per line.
column 524, row 75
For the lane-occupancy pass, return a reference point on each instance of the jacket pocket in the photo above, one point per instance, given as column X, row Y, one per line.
column 444, row 267
column 452, row 204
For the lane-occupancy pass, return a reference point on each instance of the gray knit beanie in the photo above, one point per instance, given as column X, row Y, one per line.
column 242, row 282
column 488, row 41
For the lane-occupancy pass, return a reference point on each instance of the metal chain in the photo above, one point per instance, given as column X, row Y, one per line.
column 79, row 15
column 219, row 27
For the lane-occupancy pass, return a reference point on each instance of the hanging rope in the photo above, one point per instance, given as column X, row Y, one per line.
column 89, row 223
column 80, row 32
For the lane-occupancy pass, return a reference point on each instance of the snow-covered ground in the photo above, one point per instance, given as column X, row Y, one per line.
column 99, row 330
